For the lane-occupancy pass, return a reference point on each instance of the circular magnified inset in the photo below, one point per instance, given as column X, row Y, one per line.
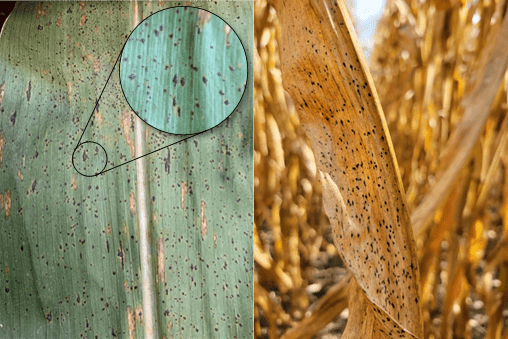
column 89, row 159
column 183, row 70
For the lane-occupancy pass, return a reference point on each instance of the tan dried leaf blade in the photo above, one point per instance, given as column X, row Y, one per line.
column 327, row 77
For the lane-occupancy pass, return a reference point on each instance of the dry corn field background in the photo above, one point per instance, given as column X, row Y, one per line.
column 381, row 190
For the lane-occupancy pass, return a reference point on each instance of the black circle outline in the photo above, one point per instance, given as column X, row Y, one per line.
column 87, row 175
column 198, row 132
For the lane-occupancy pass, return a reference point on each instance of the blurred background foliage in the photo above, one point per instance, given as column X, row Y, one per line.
column 423, row 63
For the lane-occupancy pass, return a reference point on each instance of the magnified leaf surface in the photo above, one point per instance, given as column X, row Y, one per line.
column 183, row 70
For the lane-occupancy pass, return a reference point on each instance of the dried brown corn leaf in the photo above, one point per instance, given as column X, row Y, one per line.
column 330, row 84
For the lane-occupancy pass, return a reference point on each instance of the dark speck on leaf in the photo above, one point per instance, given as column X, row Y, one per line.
column 174, row 101
column 226, row 102
column 182, row 81
column 156, row 32
column 205, row 80
column 69, row 11
column 221, row 92
column 179, row 111
column 231, row 68
column 40, row 28
column 219, row 74
column 132, row 77
column 142, row 40
column 175, row 80
column 161, row 28
column 170, row 36
column 13, row 118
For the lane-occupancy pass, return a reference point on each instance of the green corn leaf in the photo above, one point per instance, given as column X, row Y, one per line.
column 69, row 245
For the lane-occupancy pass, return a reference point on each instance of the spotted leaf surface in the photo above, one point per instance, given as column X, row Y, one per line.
column 69, row 245
column 327, row 77
column 183, row 70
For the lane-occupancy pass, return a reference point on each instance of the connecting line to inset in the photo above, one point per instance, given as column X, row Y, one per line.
column 144, row 155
